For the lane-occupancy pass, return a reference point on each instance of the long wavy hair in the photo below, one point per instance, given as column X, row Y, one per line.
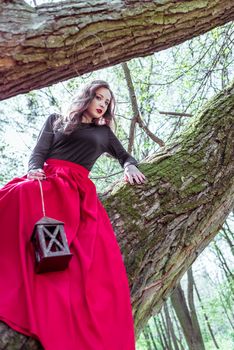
column 68, row 123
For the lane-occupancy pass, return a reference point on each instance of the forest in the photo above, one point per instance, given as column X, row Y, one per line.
column 175, row 115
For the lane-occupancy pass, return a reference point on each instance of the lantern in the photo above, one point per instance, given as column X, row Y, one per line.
column 50, row 243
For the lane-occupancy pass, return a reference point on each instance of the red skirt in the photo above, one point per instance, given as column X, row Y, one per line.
column 85, row 307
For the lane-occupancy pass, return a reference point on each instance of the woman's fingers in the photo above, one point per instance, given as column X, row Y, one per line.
column 36, row 177
column 135, row 178
column 37, row 174
column 133, row 175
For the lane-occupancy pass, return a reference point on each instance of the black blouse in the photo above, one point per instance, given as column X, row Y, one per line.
column 83, row 146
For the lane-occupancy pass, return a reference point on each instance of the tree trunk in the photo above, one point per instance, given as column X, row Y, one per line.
column 164, row 225
column 205, row 316
column 159, row 332
column 191, row 332
column 57, row 41
column 170, row 327
column 180, row 336
column 147, row 338
column 163, row 333
column 192, row 308
column 229, row 241
column 166, row 331
column 152, row 337
column 226, row 305
column 223, row 264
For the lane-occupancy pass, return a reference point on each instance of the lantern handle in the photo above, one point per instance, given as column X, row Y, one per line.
column 42, row 197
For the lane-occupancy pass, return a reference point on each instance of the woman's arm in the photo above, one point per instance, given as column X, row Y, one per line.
column 131, row 173
column 41, row 150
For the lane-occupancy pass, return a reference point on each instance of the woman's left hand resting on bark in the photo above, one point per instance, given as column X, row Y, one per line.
column 133, row 175
column 36, row 174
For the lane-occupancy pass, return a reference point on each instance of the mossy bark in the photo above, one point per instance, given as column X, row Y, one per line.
column 57, row 41
column 162, row 226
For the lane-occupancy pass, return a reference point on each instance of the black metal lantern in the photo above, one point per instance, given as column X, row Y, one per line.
column 50, row 243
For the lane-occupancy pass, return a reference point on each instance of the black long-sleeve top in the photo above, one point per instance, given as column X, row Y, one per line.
column 83, row 146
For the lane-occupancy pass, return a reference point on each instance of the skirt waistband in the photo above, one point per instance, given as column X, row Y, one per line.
column 67, row 163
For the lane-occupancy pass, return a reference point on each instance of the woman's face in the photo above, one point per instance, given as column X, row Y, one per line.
column 99, row 104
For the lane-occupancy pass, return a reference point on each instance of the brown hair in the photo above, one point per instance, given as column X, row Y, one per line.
column 80, row 103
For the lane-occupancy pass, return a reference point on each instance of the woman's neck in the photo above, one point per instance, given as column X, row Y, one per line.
column 86, row 119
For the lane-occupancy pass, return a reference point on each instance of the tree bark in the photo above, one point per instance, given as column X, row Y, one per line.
column 57, row 41
column 164, row 225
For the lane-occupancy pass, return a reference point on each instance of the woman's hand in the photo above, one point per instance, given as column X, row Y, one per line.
column 133, row 175
column 36, row 174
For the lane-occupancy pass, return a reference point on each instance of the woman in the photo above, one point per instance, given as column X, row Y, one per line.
column 87, row 306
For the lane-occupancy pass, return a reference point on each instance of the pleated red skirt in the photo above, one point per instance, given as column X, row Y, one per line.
column 85, row 307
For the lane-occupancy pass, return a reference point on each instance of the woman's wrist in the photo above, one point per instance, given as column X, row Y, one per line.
column 128, row 165
column 40, row 170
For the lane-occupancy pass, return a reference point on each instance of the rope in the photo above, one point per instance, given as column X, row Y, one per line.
column 42, row 198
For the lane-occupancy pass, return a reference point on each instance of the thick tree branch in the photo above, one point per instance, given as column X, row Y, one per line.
column 164, row 225
column 57, row 41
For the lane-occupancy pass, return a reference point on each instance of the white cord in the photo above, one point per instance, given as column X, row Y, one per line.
column 42, row 198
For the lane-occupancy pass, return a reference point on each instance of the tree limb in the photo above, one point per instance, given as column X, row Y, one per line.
column 57, row 41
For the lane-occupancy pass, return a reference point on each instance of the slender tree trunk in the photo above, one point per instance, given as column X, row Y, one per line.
column 175, row 321
column 192, row 307
column 191, row 332
column 228, row 273
column 226, row 311
column 166, row 330
column 223, row 262
column 136, row 119
column 163, row 333
column 231, row 232
column 159, row 332
column 224, row 301
column 228, row 239
column 170, row 326
column 134, row 106
column 147, row 338
column 152, row 337
column 205, row 315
